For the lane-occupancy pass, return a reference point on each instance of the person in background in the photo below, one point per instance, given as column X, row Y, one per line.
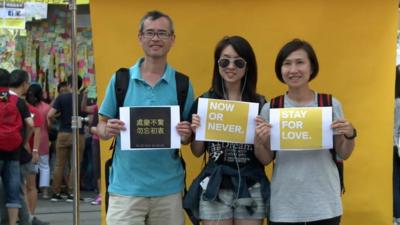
column 63, row 105
column 35, row 99
column 62, row 87
column 19, row 84
column 54, row 126
column 10, row 171
column 305, row 187
column 92, row 110
column 141, row 200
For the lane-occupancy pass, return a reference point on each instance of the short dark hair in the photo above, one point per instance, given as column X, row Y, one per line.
column 154, row 15
column 18, row 77
column 4, row 78
column 290, row 47
column 245, row 51
column 69, row 80
column 61, row 85
column 34, row 95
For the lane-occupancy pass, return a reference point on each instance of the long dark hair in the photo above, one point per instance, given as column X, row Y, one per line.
column 245, row 51
column 34, row 95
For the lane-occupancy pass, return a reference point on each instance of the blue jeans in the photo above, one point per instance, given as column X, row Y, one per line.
column 23, row 212
column 11, row 178
column 226, row 207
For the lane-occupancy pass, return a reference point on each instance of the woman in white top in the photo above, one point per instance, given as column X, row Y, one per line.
column 305, row 187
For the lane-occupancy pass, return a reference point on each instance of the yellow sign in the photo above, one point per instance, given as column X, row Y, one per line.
column 301, row 128
column 298, row 129
column 227, row 121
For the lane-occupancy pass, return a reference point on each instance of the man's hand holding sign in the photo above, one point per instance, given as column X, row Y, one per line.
column 150, row 127
column 155, row 127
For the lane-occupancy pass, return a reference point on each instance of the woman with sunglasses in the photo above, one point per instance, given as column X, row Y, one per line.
column 232, row 188
column 305, row 186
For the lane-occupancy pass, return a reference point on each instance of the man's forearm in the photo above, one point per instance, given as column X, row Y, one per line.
column 101, row 130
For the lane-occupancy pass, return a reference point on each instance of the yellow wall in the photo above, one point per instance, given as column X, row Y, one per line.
column 354, row 40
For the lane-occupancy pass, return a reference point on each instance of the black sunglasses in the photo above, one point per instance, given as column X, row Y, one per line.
column 239, row 63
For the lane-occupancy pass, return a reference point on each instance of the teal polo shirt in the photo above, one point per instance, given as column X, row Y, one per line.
column 147, row 173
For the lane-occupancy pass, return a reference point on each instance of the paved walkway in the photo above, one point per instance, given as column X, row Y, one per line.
column 60, row 213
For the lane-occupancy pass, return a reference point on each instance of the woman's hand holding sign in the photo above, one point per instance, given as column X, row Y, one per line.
column 344, row 138
column 263, row 131
column 342, row 126
column 262, row 146
column 195, row 122
column 197, row 147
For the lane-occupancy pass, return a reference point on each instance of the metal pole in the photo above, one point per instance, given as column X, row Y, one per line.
column 76, row 120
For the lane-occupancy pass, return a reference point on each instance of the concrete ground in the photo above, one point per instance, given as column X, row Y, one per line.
column 60, row 213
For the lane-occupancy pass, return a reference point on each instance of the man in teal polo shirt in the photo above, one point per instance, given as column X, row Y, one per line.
column 146, row 186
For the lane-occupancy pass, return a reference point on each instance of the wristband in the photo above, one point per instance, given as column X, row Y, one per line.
column 352, row 136
column 34, row 150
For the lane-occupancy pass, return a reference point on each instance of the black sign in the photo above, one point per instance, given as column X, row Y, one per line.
column 150, row 127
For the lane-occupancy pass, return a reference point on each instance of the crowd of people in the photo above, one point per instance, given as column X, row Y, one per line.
column 232, row 188
column 36, row 145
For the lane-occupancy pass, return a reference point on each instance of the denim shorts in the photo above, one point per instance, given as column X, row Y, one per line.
column 29, row 168
column 223, row 210
column 11, row 179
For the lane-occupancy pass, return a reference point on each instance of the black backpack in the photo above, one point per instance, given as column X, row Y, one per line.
column 122, row 77
column 324, row 100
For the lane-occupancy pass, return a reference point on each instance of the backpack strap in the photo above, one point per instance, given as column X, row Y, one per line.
column 121, row 86
column 182, row 88
column 325, row 100
column 122, row 78
column 277, row 102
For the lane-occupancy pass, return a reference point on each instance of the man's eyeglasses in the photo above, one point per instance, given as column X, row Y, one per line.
column 149, row 34
column 239, row 63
